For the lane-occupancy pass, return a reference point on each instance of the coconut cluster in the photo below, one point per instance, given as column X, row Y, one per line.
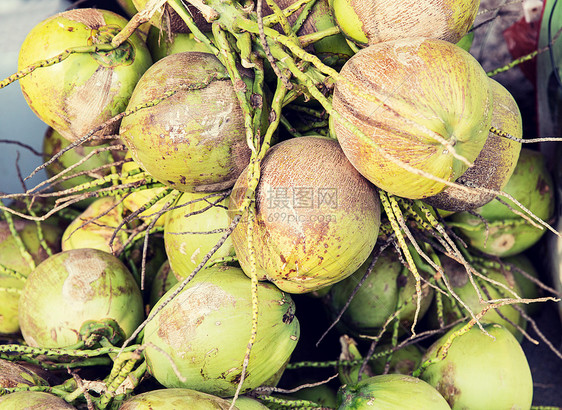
column 203, row 225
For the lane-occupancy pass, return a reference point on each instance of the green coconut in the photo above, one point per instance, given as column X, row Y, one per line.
column 316, row 221
column 388, row 287
column 133, row 201
column 507, row 233
column 162, row 282
column 506, row 315
column 192, row 213
column 194, row 140
column 383, row 361
column 403, row 361
column 86, row 89
column 13, row 260
column 95, row 227
column 390, row 392
column 203, row 332
column 417, row 122
column 479, row 371
column 36, row 400
column 11, row 255
column 524, row 271
column 247, row 403
column 162, row 43
column 333, row 49
column 95, row 167
column 75, row 286
column 173, row 399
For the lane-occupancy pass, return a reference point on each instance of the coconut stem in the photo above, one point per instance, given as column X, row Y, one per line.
column 19, row 242
column 122, row 368
column 272, row 19
column 396, row 219
column 240, row 88
column 96, row 48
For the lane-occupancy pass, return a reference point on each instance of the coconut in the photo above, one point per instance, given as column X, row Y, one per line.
column 36, row 400
column 494, row 165
column 505, row 233
column 479, row 371
column 13, row 375
column 506, row 315
column 83, row 91
column 162, row 44
column 133, row 201
column 203, row 332
column 194, row 140
column 175, row 398
column 192, row 213
column 390, row 391
column 72, row 287
column 369, row 21
column 316, row 221
column 95, row 167
column 388, row 287
column 415, row 100
column 332, row 49
column 12, row 258
column 95, row 227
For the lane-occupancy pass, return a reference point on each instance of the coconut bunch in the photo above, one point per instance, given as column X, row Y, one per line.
column 255, row 156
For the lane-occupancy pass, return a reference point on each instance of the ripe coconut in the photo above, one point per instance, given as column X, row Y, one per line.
column 496, row 162
column 202, row 333
column 479, row 371
column 81, row 92
column 194, row 140
column 316, row 219
column 416, row 100
column 369, row 21
column 506, row 233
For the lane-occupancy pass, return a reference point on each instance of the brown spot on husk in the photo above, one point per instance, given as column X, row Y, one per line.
column 91, row 18
column 85, row 103
column 542, row 186
column 446, row 385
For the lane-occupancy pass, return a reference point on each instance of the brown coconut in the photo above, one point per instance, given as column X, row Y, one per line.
column 495, row 163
